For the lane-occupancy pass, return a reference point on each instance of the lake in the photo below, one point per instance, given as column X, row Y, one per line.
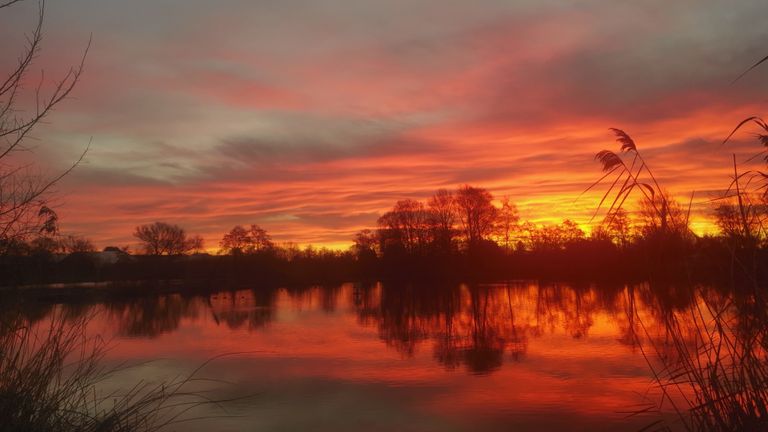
column 381, row 357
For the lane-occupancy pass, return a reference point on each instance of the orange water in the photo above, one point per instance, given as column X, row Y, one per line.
column 518, row 356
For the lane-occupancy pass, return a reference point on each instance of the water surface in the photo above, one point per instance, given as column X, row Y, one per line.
column 513, row 356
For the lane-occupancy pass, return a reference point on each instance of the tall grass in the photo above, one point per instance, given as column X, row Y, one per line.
column 50, row 380
column 712, row 356
column 627, row 172
column 747, row 226
column 710, row 360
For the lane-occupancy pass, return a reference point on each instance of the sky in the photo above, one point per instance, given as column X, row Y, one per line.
column 311, row 118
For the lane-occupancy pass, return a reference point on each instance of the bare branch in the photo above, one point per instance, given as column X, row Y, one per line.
column 24, row 207
column 8, row 3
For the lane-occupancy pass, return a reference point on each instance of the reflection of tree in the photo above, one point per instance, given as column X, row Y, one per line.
column 406, row 315
column 326, row 297
column 469, row 326
column 571, row 308
column 152, row 316
column 330, row 298
column 155, row 315
column 476, row 326
column 15, row 314
column 486, row 348
column 237, row 308
column 630, row 330
column 518, row 341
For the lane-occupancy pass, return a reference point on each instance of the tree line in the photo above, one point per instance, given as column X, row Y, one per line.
column 467, row 230
column 467, row 218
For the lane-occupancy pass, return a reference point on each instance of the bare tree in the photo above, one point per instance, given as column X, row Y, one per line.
column 744, row 224
column 24, row 208
column 663, row 215
column 618, row 227
column 477, row 214
column 507, row 223
column 246, row 240
column 74, row 244
column 405, row 224
column 553, row 237
column 196, row 244
column 442, row 218
column 364, row 240
column 365, row 243
column 160, row 238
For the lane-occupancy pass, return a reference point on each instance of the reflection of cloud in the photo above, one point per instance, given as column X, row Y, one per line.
column 212, row 119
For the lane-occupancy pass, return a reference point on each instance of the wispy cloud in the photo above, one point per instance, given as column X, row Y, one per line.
column 311, row 118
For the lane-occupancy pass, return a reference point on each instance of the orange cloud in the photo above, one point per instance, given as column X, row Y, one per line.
column 313, row 122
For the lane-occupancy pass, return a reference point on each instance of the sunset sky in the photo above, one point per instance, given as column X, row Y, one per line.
column 311, row 118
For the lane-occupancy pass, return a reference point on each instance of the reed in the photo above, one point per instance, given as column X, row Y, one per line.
column 50, row 376
column 710, row 360
column 712, row 356
column 746, row 202
column 629, row 176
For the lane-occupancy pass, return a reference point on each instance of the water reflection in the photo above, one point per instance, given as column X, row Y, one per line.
column 576, row 348
column 253, row 308
column 477, row 327
column 708, row 350
column 467, row 326
column 481, row 325
column 151, row 317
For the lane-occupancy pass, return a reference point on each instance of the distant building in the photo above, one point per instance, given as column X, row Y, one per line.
column 110, row 255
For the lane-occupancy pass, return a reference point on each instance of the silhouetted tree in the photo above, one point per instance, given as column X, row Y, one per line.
column 745, row 225
column 442, row 219
column 44, row 244
column 24, row 210
column 553, row 237
column 663, row 216
column 728, row 220
column 365, row 243
column 476, row 212
column 570, row 232
column 618, row 227
column 288, row 251
column 160, row 238
column 248, row 241
column 196, row 244
column 74, row 244
column 507, row 223
column 406, row 226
